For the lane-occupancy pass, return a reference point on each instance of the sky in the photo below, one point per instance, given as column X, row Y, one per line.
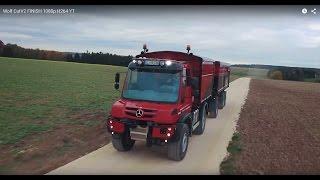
column 274, row 35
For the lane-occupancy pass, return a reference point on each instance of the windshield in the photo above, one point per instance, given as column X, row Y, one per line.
column 152, row 86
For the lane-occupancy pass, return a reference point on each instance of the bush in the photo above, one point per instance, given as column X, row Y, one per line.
column 276, row 74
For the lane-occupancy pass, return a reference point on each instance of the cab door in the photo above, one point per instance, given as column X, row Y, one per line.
column 186, row 97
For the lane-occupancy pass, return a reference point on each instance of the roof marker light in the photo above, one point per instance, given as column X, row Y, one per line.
column 188, row 48
column 168, row 63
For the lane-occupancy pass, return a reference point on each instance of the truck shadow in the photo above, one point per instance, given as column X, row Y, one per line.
column 150, row 152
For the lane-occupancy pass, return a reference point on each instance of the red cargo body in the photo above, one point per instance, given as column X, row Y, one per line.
column 201, row 91
column 214, row 74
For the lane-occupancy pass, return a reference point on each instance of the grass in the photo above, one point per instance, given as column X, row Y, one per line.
column 238, row 72
column 227, row 166
column 4, row 169
column 36, row 95
column 314, row 80
column 66, row 146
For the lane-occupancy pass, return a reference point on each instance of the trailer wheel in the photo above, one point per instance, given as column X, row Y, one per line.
column 213, row 110
column 202, row 121
column 178, row 149
column 122, row 142
column 222, row 99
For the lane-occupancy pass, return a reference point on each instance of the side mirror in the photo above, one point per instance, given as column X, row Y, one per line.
column 116, row 81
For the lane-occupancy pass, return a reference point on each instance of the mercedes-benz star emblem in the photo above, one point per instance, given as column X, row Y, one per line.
column 139, row 113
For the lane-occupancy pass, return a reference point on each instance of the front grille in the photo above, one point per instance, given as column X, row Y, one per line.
column 147, row 113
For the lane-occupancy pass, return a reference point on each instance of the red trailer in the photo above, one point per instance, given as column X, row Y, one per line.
column 165, row 99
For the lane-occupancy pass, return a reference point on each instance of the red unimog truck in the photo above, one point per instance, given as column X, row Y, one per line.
column 165, row 99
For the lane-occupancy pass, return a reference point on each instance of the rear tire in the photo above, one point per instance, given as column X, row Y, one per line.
column 222, row 99
column 225, row 99
column 178, row 149
column 202, row 121
column 122, row 142
column 213, row 110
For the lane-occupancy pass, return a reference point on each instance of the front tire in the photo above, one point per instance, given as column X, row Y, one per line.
column 178, row 149
column 122, row 142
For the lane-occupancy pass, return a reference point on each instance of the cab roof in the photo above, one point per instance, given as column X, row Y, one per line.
column 175, row 55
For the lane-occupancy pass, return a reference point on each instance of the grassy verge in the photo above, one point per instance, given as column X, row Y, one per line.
column 239, row 72
column 227, row 167
column 36, row 95
column 46, row 107
column 314, row 80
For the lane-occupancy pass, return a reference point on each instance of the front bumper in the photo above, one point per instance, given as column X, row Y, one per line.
column 154, row 131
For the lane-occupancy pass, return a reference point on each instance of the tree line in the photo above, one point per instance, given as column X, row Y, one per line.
column 99, row 58
column 13, row 50
column 286, row 73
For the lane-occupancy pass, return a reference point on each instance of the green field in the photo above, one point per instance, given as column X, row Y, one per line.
column 238, row 72
column 36, row 95
column 314, row 80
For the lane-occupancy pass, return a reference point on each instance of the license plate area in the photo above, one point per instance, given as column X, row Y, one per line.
column 139, row 133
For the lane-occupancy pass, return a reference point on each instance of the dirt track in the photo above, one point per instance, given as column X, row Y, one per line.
column 41, row 153
column 204, row 155
column 280, row 129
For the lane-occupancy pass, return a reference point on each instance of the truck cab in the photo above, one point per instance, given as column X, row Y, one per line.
column 163, row 101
